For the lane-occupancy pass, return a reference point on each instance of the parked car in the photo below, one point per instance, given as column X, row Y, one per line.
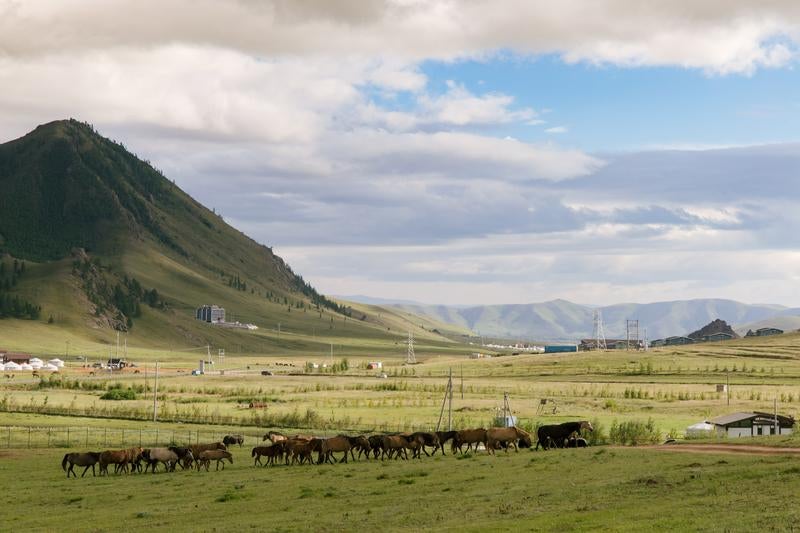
column 266, row 373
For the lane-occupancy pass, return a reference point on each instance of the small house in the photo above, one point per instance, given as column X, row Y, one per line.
column 116, row 363
column 374, row 365
column 752, row 424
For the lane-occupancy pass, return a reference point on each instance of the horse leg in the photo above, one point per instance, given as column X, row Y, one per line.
column 70, row 469
column 84, row 470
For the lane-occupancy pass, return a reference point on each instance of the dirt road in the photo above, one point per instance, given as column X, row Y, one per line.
column 726, row 448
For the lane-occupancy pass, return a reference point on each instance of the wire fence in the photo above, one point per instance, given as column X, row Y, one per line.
column 94, row 438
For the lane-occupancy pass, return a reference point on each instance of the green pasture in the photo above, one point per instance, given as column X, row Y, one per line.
column 604, row 489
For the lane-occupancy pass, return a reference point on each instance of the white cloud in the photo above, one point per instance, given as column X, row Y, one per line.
column 557, row 129
column 721, row 36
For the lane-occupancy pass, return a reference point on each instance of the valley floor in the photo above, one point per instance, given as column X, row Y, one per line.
column 598, row 489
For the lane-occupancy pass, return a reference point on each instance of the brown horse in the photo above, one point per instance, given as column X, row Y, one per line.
column 339, row 443
column 272, row 453
column 119, row 458
column 469, row 437
column 207, row 456
column 496, row 437
column 300, row 450
column 86, row 459
column 274, row 436
column 376, row 444
column 199, row 448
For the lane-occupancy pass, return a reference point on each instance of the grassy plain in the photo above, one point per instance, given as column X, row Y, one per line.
column 605, row 489
column 673, row 387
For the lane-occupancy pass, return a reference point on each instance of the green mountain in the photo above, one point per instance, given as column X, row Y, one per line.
column 111, row 245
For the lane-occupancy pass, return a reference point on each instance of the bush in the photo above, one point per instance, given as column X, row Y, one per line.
column 119, row 394
column 634, row 432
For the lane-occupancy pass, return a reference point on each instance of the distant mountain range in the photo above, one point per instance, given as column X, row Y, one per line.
column 560, row 320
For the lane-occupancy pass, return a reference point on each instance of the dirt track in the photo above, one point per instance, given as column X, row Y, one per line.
column 725, row 448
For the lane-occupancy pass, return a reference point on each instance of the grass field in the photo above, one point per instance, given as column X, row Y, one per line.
column 606, row 489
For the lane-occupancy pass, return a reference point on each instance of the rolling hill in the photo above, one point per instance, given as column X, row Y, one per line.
column 111, row 245
column 560, row 320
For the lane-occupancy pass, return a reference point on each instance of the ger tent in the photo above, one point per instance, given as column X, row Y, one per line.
column 56, row 362
column 11, row 365
column 700, row 430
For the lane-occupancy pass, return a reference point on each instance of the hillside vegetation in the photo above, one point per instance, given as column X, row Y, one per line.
column 111, row 246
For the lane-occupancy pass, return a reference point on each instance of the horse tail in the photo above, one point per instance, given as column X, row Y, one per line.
column 64, row 462
column 253, row 454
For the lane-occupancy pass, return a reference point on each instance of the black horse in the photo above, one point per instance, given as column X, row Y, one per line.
column 233, row 439
column 555, row 435
column 577, row 442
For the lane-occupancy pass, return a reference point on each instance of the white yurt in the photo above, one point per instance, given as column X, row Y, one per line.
column 25, row 366
column 35, row 361
column 36, row 366
column 11, row 365
column 50, row 367
column 700, row 430
column 56, row 362
column 2, row 367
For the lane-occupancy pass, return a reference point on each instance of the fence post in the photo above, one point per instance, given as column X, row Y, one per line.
column 156, row 443
column 123, row 437
column 173, row 437
column 105, row 437
column 140, row 437
column 48, row 437
column 29, row 436
column 87, row 436
column 67, row 435
column 9, row 437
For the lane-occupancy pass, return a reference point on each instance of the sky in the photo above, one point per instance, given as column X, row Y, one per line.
column 453, row 152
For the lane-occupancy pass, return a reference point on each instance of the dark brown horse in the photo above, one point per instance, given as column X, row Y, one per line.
column 427, row 439
column 557, row 434
column 86, row 459
column 205, row 458
column 443, row 437
column 230, row 440
column 272, row 453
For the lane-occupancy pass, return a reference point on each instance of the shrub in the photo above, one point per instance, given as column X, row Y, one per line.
column 119, row 394
column 634, row 432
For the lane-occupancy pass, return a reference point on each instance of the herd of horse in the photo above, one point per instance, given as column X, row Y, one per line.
column 300, row 449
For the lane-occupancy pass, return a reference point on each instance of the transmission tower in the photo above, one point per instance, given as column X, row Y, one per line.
column 411, row 359
column 631, row 334
column 599, row 334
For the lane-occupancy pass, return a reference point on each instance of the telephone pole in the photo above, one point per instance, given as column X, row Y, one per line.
column 155, row 396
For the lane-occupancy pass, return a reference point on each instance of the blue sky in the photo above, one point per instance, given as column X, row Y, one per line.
column 612, row 108
column 451, row 151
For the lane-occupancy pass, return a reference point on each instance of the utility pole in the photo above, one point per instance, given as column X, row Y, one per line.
column 279, row 330
column 462, row 381
column 155, row 396
column 728, row 387
column 450, row 403
column 331, row 355
column 775, row 404
column 66, row 354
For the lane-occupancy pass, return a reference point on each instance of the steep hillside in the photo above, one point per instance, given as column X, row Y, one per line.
column 112, row 245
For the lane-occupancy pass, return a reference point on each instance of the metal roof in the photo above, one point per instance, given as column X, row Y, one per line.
column 732, row 418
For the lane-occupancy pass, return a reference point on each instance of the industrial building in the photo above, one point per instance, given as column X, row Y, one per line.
column 210, row 313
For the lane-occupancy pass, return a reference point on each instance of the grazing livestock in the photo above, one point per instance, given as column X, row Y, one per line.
column 339, row 443
column 577, row 442
column 272, row 453
column 300, row 450
column 427, row 439
column 376, row 444
column 469, row 437
column 274, row 436
column 198, row 448
column 229, row 440
column 505, row 437
column 153, row 456
column 394, row 446
column 85, row 459
column 360, row 443
column 185, row 456
column 443, row 437
column 205, row 458
column 557, row 434
column 119, row 458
